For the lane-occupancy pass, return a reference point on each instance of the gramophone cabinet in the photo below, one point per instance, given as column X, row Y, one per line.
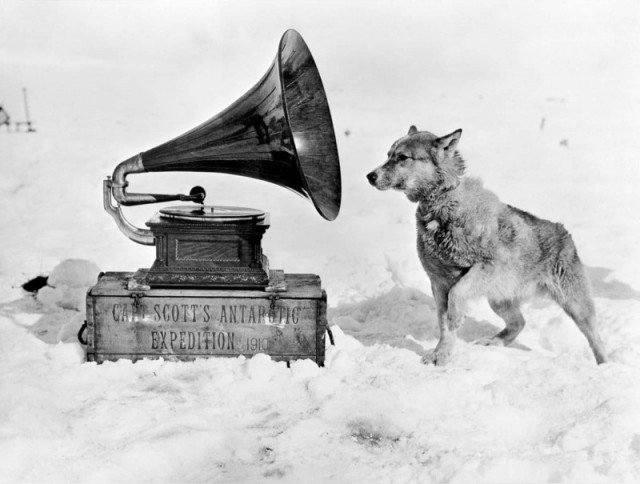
column 184, row 324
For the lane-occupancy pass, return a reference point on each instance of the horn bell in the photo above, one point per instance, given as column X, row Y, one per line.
column 280, row 131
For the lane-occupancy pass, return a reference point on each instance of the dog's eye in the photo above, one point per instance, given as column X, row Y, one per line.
column 402, row 157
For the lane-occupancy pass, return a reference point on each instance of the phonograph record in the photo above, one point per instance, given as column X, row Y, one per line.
column 210, row 290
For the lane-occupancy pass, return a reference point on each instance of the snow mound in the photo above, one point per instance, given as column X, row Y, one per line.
column 67, row 286
column 74, row 273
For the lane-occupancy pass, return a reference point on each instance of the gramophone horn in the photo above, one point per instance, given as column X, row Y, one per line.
column 280, row 131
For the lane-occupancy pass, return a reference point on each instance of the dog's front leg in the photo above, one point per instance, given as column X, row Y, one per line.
column 442, row 352
column 468, row 287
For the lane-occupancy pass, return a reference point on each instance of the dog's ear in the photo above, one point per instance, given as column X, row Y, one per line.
column 449, row 142
column 444, row 147
column 412, row 130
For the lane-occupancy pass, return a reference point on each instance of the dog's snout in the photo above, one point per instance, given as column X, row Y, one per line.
column 372, row 177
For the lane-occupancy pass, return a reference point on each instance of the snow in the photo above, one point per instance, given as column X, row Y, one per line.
column 112, row 79
column 374, row 413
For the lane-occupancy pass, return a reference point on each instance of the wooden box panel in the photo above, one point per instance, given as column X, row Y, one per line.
column 185, row 324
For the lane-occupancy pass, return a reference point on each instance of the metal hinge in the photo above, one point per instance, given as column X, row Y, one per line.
column 272, row 307
column 273, row 300
column 136, row 299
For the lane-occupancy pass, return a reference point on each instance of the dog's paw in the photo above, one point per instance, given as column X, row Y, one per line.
column 435, row 357
column 429, row 358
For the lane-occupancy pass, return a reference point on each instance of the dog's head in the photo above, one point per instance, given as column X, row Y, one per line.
column 420, row 163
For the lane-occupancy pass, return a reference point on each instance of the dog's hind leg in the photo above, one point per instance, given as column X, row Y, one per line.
column 572, row 292
column 581, row 310
column 509, row 311
column 442, row 352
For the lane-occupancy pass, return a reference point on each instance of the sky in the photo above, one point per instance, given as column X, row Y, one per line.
column 364, row 49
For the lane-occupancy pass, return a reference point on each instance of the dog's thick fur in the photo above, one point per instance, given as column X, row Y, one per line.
column 471, row 244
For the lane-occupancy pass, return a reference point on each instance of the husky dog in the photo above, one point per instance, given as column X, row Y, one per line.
column 471, row 244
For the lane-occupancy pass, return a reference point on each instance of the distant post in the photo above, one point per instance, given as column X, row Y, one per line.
column 27, row 122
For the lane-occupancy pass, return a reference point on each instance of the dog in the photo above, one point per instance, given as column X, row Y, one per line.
column 471, row 244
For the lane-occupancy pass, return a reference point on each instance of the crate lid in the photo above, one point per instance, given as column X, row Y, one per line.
column 299, row 286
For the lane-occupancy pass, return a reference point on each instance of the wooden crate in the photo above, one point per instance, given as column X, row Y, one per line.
column 184, row 324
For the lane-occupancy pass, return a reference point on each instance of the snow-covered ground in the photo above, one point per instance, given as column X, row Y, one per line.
column 546, row 94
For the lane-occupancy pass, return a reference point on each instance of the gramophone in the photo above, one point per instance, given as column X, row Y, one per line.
column 210, row 291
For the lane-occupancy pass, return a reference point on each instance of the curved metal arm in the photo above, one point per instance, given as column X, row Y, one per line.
column 134, row 165
column 141, row 236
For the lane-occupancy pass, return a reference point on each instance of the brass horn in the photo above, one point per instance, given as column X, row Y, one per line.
column 280, row 131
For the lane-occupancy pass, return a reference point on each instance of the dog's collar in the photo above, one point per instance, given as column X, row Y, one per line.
column 435, row 194
column 436, row 206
